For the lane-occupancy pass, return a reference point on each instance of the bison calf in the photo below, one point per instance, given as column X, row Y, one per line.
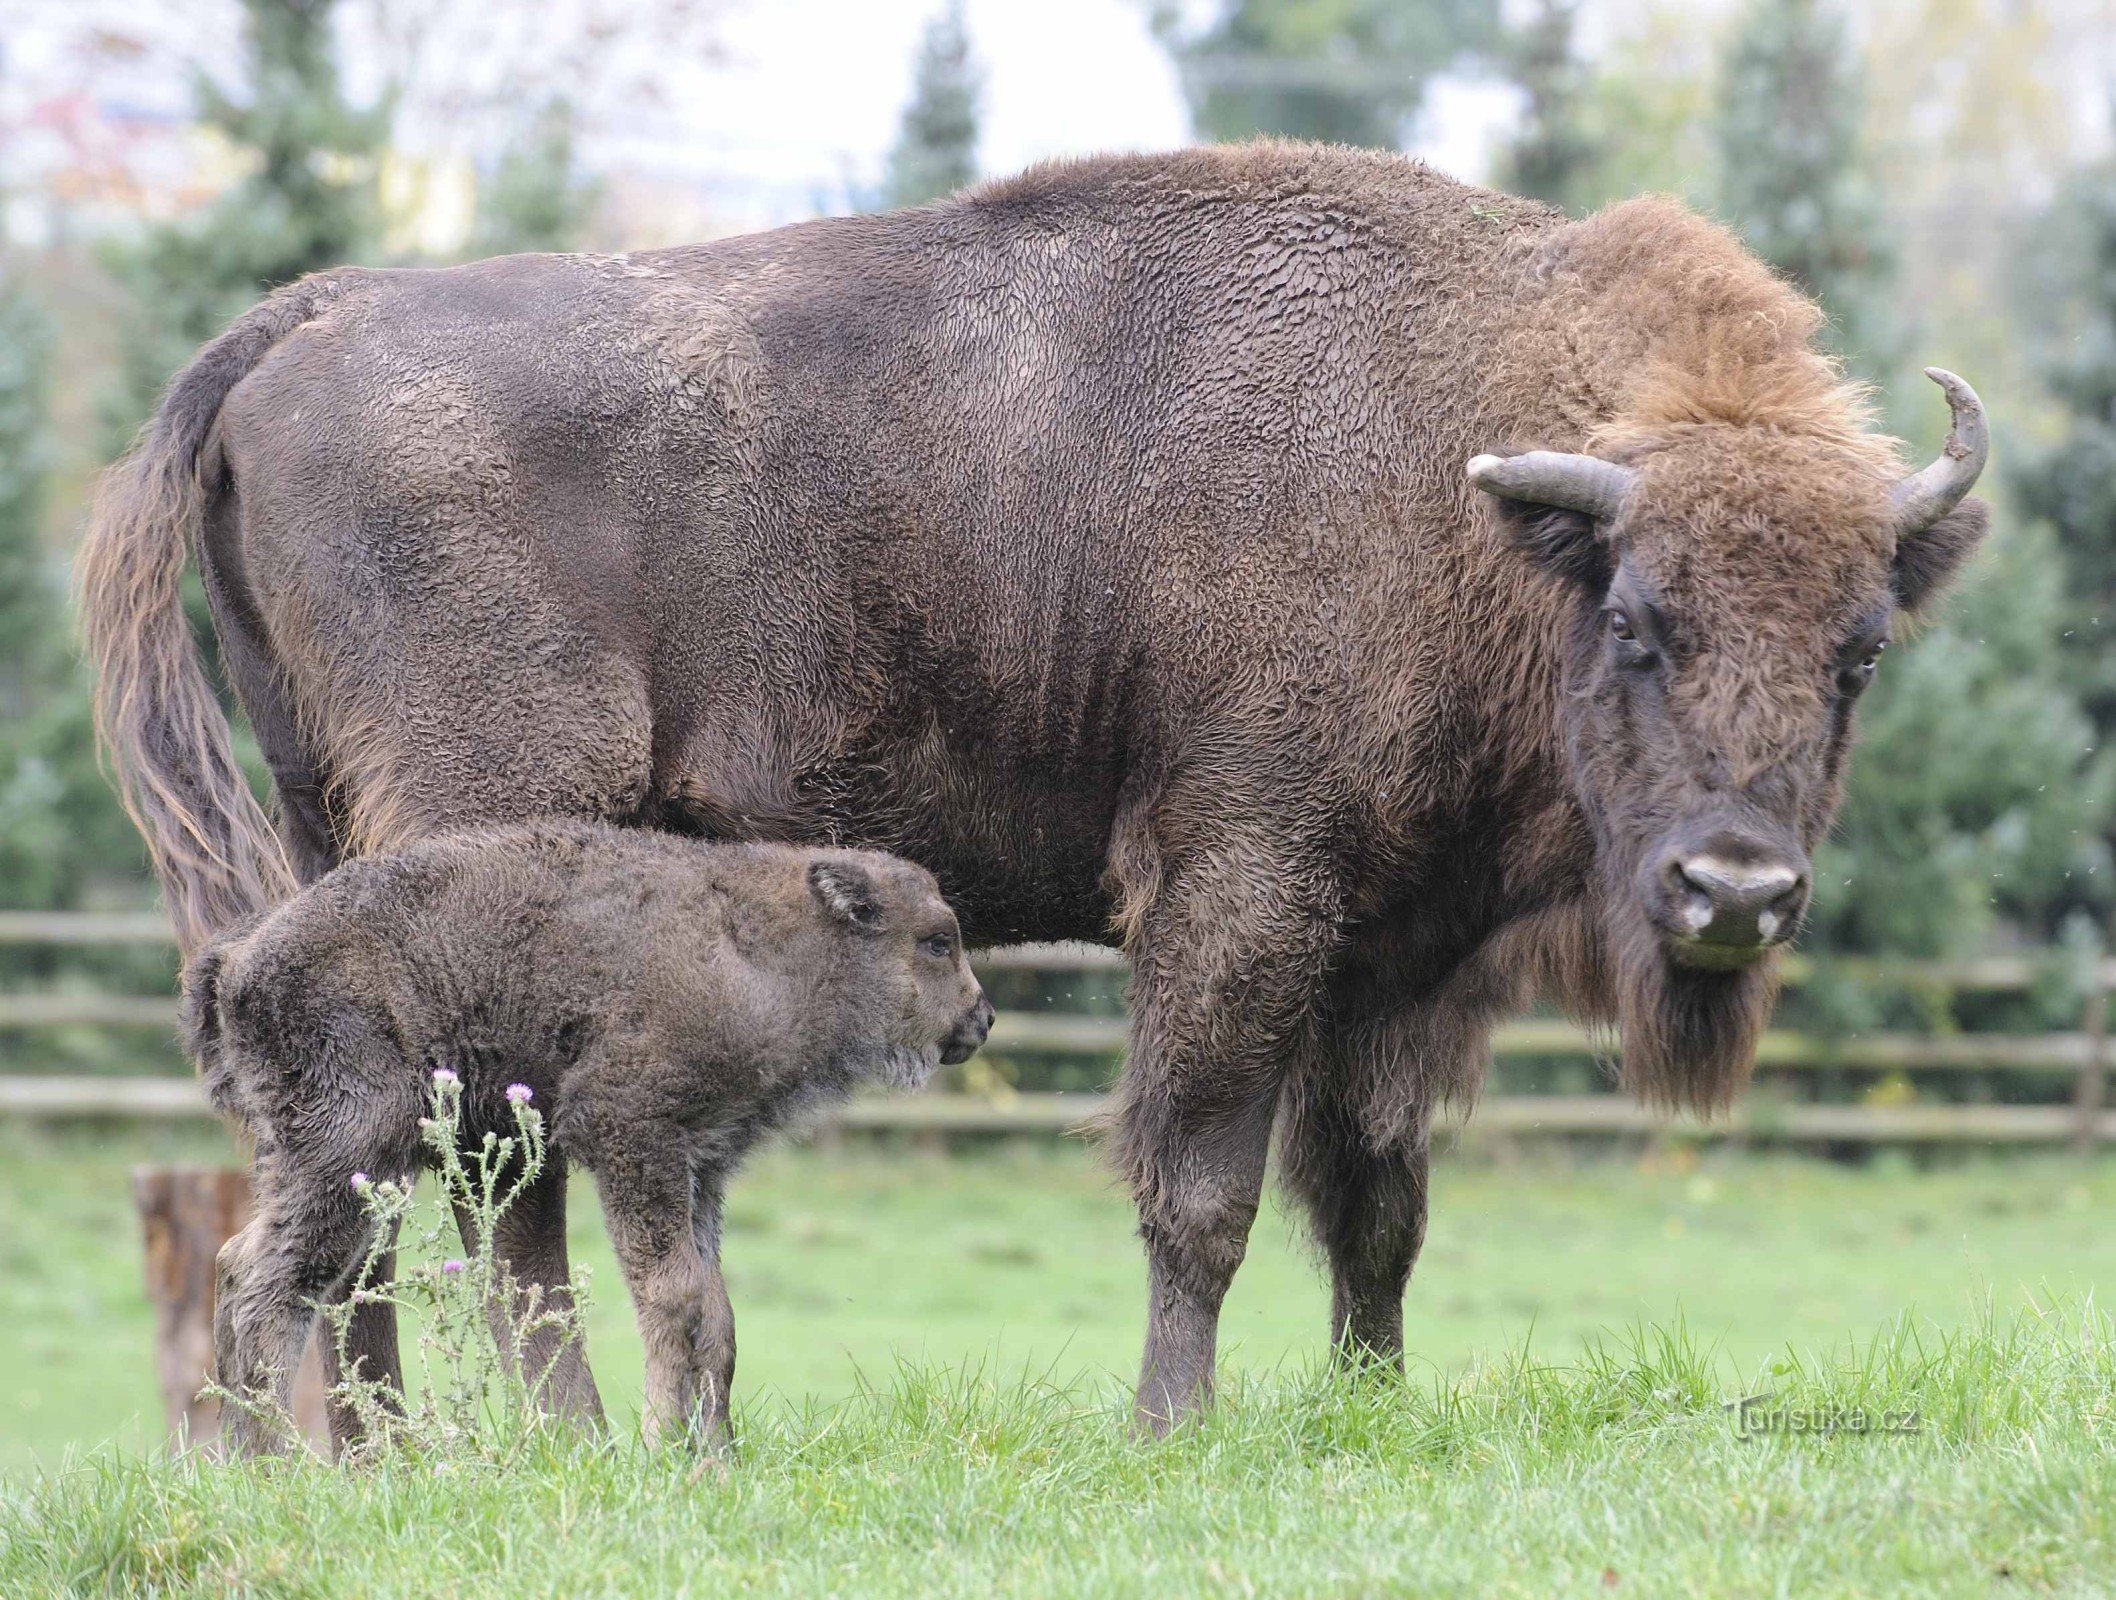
column 667, row 1002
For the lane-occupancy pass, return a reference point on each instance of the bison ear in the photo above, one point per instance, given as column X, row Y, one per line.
column 1927, row 561
column 1564, row 543
column 847, row 892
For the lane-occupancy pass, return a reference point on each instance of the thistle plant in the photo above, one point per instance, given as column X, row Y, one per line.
column 473, row 1393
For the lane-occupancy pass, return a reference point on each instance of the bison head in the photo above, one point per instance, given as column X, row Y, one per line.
column 1733, row 590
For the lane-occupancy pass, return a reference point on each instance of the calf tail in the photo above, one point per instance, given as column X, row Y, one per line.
column 199, row 1016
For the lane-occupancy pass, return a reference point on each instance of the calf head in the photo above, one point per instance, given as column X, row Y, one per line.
column 917, row 988
column 1733, row 589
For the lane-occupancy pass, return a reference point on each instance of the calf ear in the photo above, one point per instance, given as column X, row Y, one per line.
column 1927, row 561
column 845, row 890
column 1566, row 544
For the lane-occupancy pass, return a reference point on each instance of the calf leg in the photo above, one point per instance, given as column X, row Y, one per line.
column 676, row 1296
column 302, row 1241
column 530, row 1241
column 717, row 1356
column 1229, row 961
column 371, row 1352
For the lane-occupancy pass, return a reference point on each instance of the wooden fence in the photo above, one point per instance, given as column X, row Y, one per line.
column 2076, row 1060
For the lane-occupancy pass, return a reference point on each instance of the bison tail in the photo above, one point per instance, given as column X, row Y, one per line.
column 159, row 721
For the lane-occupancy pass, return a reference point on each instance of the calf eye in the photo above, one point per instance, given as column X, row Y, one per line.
column 938, row 944
column 1620, row 626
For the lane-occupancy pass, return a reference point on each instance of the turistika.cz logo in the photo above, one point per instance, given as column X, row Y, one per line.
column 1756, row 1415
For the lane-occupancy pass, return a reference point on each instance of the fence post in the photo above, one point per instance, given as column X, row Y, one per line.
column 2092, row 1088
column 186, row 1214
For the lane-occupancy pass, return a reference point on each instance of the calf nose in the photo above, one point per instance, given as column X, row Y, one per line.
column 1729, row 899
column 968, row 1035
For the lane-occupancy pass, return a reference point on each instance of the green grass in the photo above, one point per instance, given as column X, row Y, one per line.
column 993, row 1305
column 1617, row 1470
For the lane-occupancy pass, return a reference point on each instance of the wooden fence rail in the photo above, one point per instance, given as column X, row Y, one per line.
column 2082, row 1055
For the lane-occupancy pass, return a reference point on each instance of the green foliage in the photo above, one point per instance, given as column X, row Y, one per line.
column 1790, row 170
column 936, row 143
column 1554, row 154
column 2072, row 480
column 1346, row 71
column 308, row 202
column 1977, row 796
column 1645, row 109
column 26, row 643
column 536, row 198
column 59, row 826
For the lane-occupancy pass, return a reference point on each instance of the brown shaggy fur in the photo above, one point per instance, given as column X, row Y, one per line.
column 1100, row 540
column 669, row 1003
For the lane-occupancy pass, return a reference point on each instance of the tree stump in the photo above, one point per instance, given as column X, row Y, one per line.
column 186, row 1215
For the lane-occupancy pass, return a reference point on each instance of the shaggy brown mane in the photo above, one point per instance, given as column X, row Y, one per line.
column 1680, row 327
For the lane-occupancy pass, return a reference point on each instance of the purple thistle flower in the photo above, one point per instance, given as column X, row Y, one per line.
column 361, row 1181
column 443, row 1078
column 451, row 1266
column 519, row 1094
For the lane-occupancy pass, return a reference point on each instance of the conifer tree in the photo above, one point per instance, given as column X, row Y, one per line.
column 936, row 143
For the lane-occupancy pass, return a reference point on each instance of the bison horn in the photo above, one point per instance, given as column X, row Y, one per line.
column 1927, row 495
column 1553, row 478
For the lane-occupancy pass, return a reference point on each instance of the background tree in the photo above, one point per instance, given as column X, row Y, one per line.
column 26, row 644
column 2072, row 480
column 536, row 198
column 936, row 142
column 309, row 201
column 1348, row 71
column 1553, row 154
column 1790, row 173
column 1977, row 796
column 2069, row 483
column 63, row 840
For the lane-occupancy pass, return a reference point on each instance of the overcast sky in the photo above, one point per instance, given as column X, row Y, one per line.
column 809, row 88
column 777, row 108
column 799, row 99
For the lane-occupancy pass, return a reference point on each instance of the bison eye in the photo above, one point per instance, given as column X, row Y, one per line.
column 940, row 945
column 1858, row 677
column 1620, row 627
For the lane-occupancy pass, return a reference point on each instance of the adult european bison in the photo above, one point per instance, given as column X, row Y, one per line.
column 1102, row 540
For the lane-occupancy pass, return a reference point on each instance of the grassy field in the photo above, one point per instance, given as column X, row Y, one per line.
column 934, row 1353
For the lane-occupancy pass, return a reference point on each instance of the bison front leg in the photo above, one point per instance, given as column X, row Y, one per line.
column 1365, row 1193
column 1227, row 967
column 717, row 1354
column 677, row 1296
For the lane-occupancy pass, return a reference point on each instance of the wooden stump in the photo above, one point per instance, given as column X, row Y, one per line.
column 186, row 1214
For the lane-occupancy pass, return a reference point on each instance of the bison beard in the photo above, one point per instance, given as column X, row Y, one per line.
column 1688, row 1034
